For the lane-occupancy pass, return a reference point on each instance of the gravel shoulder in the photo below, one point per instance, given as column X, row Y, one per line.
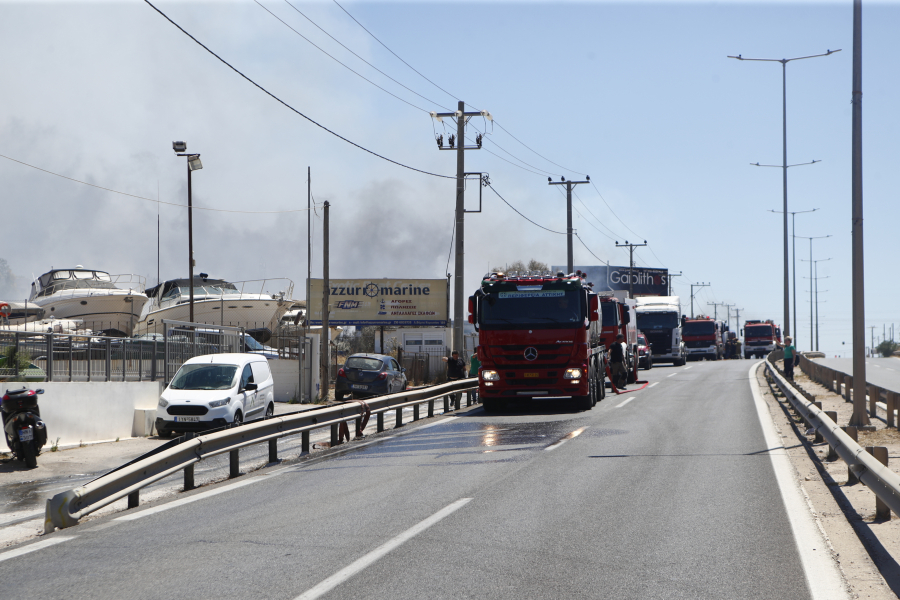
column 865, row 548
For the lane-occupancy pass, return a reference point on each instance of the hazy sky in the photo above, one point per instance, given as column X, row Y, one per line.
column 640, row 96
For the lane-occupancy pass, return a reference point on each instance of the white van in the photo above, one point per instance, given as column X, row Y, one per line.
column 216, row 390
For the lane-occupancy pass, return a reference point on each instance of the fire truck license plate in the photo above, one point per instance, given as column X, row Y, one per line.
column 531, row 374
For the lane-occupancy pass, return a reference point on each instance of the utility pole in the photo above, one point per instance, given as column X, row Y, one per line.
column 631, row 248
column 737, row 318
column 570, row 264
column 784, row 166
column 810, row 261
column 458, row 143
column 695, row 285
column 301, row 350
column 671, row 275
column 324, row 374
column 715, row 305
column 728, row 313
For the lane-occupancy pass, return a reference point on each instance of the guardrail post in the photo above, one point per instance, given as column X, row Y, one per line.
column 335, row 439
column 304, row 442
column 431, row 408
column 832, row 453
column 882, row 512
column 818, row 439
column 134, row 498
column 890, row 398
column 189, row 470
column 399, row 420
column 235, row 466
column 851, row 431
column 469, row 398
column 874, row 395
column 273, row 450
column 457, row 400
column 415, row 412
column 380, row 422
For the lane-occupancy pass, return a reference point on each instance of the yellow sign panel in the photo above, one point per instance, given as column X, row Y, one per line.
column 397, row 302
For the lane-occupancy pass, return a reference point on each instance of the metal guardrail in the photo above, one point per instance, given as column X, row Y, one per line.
column 67, row 508
column 876, row 476
column 834, row 379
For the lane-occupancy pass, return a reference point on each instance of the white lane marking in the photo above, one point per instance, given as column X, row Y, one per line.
column 35, row 547
column 822, row 575
column 360, row 564
column 194, row 498
column 568, row 437
column 652, row 384
column 686, row 368
column 624, row 402
column 671, row 374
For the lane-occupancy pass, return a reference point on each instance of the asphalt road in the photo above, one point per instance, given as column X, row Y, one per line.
column 666, row 492
column 883, row 372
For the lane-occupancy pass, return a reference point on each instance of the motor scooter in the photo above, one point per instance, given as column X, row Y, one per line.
column 25, row 432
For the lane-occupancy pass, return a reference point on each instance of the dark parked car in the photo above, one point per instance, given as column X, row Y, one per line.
column 369, row 375
column 645, row 354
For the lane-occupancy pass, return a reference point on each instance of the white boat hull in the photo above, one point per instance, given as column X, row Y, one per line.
column 243, row 312
column 97, row 312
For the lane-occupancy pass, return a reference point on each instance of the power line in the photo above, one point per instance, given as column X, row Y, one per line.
column 395, row 54
column 323, row 51
column 588, row 249
column 521, row 215
column 452, row 236
column 288, row 106
column 154, row 200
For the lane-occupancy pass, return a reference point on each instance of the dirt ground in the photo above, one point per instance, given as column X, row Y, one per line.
column 866, row 549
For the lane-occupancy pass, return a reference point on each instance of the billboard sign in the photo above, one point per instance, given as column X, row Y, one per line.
column 647, row 282
column 395, row 302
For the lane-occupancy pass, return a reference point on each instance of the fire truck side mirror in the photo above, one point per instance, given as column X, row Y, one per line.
column 594, row 307
column 472, row 309
column 742, row 331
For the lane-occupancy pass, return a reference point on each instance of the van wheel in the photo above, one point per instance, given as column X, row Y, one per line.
column 238, row 419
column 165, row 433
column 270, row 411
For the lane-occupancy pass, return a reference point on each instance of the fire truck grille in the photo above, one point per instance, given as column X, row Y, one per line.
column 532, row 382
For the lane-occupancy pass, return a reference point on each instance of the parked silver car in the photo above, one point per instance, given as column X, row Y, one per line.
column 366, row 375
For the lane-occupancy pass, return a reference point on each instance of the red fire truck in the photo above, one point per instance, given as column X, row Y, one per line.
column 619, row 317
column 539, row 337
column 702, row 337
column 760, row 337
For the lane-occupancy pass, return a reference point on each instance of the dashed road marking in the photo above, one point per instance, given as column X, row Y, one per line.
column 368, row 559
column 624, row 402
column 671, row 374
column 566, row 438
column 35, row 547
column 652, row 384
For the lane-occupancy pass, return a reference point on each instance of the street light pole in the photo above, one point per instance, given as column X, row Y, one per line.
column 784, row 166
column 794, row 258
column 193, row 164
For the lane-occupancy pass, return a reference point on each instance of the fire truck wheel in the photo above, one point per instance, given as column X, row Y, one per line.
column 584, row 402
column 632, row 376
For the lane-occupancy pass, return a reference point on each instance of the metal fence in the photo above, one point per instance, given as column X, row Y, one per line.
column 37, row 356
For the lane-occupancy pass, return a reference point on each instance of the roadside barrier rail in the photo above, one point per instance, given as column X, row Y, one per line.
column 864, row 466
column 832, row 379
column 67, row 508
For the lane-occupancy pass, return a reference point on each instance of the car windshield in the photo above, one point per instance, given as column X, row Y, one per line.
column 253, row 345
column 204, row 377
column 364, row 363
column 758, row 331
column 642, row 340
column 657, row 320
column 699, row 328
column 540, row 309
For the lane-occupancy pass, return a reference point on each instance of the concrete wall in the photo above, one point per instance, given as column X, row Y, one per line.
column 94, row 412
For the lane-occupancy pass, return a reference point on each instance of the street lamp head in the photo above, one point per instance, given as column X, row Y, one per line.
column 194, row 163
column 179, row 146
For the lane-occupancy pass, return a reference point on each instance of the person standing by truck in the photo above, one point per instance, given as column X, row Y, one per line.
column 617, row 362
column 456, row 370
column 790, row 356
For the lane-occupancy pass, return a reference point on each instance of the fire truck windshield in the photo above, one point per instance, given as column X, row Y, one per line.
column 657, row 320
column 610, row 314
column 539, row 309
column 758, row 331
column 699, row 328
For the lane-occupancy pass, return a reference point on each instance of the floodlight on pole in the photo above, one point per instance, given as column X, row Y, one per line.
column 193, row 164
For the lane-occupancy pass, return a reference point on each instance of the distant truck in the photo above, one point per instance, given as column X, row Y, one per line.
column 760, row 337
column 539, row 336
column 703, row 338
column 659, row 319
column 620, row 317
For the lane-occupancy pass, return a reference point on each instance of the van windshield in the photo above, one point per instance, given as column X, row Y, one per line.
column 204, row 377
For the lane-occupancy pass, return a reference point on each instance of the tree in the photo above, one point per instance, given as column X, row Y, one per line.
column 887, row 348
column 519, row 266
